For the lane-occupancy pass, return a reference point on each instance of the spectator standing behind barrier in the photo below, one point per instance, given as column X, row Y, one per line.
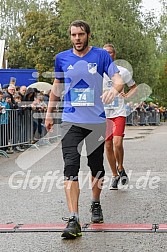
column 128, row 108
column 165, row 114
column 5, row 101
column 11, row 91
column 81, row 70
column 161, row 111
column 40, row 108
column 22, row 92
column 3, row 122
column 12, row 120
column 143, row 113
column 116, row 118
column 19, row 127
column 46, row 96
column 29, row 95
column 29, row 99
column 5, row 87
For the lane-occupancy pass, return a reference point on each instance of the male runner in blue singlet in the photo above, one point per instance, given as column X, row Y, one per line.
column 81, row 70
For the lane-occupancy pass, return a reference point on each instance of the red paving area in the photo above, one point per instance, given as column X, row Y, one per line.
column 104, row 227
column 7, row 227
column 42, row 227
column 162, row 228
column 120, row 227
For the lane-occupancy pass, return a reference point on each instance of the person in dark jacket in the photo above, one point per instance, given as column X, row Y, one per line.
column 11, row 91
column 22, row 92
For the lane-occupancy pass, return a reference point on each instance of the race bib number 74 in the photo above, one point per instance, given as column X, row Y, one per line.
column 82, row 96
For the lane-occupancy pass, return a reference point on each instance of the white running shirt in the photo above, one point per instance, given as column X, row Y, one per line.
column 117, row 107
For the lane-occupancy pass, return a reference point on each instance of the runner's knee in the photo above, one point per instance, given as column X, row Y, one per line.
column 71, row 172
column 97, row 174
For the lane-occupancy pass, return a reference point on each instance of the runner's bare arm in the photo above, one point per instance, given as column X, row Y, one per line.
column 131, row 92
column 53, row 100
column 118, row 85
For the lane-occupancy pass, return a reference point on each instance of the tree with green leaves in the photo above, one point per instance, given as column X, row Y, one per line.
column 160, row 90
column 38, row 43
column 43, row 33
column 119, row 23
column 11, row 15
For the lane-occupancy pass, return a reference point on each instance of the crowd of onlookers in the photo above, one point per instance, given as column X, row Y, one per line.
column 163, row 113
column 21, row 99
column 144, row 110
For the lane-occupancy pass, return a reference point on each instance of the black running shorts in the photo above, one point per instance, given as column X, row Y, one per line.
column 73, row 136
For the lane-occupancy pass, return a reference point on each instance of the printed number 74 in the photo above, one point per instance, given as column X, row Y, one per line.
column 82, row 97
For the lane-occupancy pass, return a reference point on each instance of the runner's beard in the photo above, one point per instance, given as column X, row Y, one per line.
column 83, row 48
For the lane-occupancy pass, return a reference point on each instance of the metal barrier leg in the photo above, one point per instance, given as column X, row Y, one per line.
column 2, row 152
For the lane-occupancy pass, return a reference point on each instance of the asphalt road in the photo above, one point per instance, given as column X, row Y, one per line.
column 28, row 196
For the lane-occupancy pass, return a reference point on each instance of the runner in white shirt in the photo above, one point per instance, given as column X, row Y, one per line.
column 116, row 119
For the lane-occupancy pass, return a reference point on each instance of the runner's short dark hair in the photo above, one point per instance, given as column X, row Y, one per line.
column 82, row 24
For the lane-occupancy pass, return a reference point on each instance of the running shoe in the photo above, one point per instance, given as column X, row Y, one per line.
column 114, row 183
column 124, row 177
column 10, row 151
column 73, row 228
column 97, row 215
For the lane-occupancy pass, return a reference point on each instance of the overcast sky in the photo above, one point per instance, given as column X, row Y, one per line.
column 154, row 5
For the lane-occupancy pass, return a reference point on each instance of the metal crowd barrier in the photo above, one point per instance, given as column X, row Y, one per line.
column 132, row 119
column 149, row 118
column 16, row 127
column 154, row 118
column 41, row 133
column 143, row 118
column 19, row 126
column 25, row 126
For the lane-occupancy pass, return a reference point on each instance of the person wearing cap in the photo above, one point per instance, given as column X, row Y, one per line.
column 5, row 87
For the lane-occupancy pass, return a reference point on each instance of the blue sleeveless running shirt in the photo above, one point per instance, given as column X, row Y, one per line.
column 83, row 84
